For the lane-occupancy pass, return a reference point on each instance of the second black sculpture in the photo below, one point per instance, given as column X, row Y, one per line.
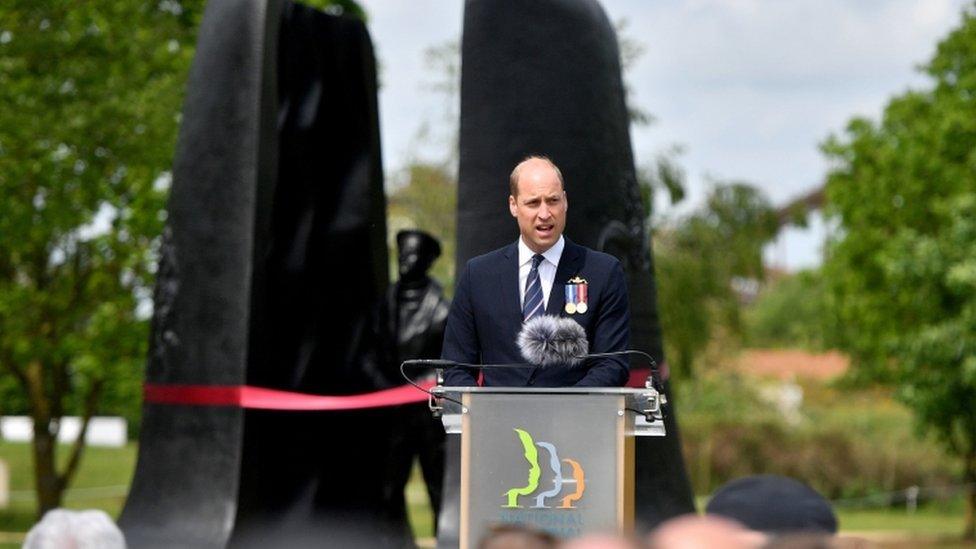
column 412, row 319
column 544, row 77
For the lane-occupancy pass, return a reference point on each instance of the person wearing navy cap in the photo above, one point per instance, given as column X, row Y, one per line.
column 775, row 505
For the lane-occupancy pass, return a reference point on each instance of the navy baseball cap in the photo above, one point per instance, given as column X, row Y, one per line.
column 773, row 504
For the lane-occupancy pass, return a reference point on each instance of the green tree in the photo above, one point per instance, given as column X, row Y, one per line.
column 91, row 93
column 789, row 312
column 426, row 199
column 422, row 194
column 698, row 259
column 902, row 269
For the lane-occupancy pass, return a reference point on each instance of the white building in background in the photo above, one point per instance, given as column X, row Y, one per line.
column 102, row 431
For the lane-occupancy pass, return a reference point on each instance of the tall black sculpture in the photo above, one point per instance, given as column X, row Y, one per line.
column 412, row 320
column 544, row 77
column 273, row 257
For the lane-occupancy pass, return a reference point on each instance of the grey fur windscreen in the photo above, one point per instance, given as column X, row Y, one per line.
column 544, row 77
column 552, row 341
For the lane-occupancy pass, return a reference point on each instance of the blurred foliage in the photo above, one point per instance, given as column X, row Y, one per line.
column 91, row 96
column 442, row 130
column 789, row 312
column 665, row 174
column 631, row 50
column 339, row 7
column 902, row 270
column 844, row 443
column 697, row 259
column 426, row 198
column 422, row 194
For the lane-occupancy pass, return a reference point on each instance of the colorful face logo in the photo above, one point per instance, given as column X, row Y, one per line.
column 535, row 473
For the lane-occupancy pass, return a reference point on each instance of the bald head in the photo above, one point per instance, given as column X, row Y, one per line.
column 538, row 202
column 533, row 167
column 692, row 532
column 599, row 541
column 516, row 536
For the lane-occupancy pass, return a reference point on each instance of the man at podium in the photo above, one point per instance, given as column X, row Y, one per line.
column 542, row 273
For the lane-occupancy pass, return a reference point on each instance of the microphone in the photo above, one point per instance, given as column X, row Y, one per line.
column 429, row 363
column 548, row 340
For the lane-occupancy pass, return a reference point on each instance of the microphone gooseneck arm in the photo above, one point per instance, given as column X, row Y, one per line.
column 427, row 363
column 655, row 370
column 441, row 364
column 448, row 364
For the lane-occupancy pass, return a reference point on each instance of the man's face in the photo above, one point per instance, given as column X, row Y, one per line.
column 540, row 206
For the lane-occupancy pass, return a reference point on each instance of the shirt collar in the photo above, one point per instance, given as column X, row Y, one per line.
column 552, row 255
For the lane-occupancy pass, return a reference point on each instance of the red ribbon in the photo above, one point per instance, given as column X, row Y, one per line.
column 260, row 398
column 640, row 375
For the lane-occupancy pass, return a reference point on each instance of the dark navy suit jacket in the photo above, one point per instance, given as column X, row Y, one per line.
column 486, row 317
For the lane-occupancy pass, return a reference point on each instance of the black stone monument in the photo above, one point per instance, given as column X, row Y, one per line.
column 273, row 256
column 544, row 77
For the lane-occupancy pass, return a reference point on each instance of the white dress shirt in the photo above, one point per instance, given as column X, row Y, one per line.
column 547, row 268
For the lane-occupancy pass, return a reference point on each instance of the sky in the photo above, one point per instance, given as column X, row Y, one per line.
column 748, row 88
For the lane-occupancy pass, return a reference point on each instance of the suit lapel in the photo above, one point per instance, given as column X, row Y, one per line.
column 569, row 266
column 509, row 280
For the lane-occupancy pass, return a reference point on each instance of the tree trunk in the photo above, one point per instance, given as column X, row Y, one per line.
column 74, row 458
column 47, row 482
column 969, row 530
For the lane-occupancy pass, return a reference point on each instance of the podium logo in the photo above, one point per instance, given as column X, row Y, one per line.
column 531, row 453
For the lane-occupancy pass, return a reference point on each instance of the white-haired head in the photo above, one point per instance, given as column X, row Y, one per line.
column 64, row 529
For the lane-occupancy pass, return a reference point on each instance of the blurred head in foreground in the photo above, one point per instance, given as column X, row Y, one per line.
column 816, row 541
column 774, row 505
column 599, row 541
column 516, row 536
column 695, row 532
column 60, row 529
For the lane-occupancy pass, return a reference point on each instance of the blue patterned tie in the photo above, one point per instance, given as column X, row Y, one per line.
column 532, row 305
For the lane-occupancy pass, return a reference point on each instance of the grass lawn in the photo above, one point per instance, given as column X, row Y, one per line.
column 103, row 481
column 928, row 520
column 418, row 506
column 105, row 474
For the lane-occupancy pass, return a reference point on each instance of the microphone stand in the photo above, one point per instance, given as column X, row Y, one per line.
column 656, row 398
column 439, row 366
column 653, row 403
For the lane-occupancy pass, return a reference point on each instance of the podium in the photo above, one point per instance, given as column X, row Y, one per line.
column 556, row 459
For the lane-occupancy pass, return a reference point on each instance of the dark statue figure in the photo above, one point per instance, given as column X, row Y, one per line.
column 412, row 317
column 415, row 307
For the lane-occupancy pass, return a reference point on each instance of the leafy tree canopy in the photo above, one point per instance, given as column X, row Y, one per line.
column 902, row 270
column 698, row 258
column 426, row 199
column 789, row 312
column 91, row 94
